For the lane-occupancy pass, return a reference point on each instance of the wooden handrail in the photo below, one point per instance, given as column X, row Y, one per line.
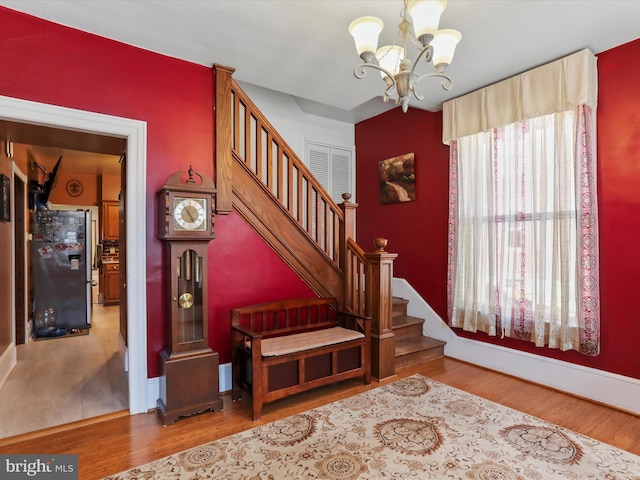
column 357, row 250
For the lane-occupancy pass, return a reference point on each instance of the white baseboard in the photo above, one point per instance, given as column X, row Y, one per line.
column 153, row 385
column 597, row 385
column 224, row 371
column 153, row 392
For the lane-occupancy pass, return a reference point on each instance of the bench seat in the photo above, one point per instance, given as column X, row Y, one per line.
column 282, row 348
column 299, row 342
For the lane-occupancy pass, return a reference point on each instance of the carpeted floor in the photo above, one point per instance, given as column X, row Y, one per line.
column 414, row 428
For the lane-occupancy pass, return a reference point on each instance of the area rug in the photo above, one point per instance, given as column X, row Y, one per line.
column 414, row 428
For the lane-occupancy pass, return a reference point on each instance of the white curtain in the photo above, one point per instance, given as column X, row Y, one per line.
column 523, row 232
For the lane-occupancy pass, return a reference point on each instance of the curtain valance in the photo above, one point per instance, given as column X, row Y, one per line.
column 555, row 87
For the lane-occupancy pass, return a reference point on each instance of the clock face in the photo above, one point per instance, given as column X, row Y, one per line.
column 190, row 214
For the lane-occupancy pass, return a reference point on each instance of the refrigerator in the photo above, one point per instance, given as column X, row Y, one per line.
column 60, row 255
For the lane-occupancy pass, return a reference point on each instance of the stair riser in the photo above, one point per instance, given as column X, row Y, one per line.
column 398, row 309
column 419, row 357
column 408, row 331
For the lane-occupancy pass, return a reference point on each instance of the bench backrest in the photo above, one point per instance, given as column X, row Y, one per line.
column 287, row 316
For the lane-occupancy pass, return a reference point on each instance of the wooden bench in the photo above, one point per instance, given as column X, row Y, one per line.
column 286, row 347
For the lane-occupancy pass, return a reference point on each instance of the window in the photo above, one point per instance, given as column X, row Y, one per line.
column 523, row 255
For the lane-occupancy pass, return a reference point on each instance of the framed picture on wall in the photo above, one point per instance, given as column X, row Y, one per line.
column 5, row 198
column 397, row 179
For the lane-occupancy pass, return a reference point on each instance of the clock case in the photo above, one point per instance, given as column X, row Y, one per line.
column 189, row 382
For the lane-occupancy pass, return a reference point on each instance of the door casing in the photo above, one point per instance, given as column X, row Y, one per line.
column 135, row 133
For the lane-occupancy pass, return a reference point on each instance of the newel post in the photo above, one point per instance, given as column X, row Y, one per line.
column 347, row 231
column 224, row 158
column 379, row 305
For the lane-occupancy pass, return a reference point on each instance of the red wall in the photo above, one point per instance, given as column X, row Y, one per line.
column 417, row 230
column 49, row 63
column 619, row 205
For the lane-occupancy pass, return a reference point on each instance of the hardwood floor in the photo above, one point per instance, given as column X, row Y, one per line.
column 115, row 444
column 66, row 379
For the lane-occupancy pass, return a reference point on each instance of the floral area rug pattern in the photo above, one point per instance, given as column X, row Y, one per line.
column 414, row 428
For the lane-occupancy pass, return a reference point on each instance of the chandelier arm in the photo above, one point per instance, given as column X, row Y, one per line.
column 360, row 72
column 427, row 52
column 446, row 84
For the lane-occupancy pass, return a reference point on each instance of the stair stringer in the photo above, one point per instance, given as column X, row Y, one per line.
column 266, row 215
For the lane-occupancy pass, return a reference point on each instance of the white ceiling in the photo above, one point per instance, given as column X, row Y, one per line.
column 303, row 48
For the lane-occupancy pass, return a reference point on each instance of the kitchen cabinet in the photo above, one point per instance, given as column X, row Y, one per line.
column 109, row 218
column 111, row 283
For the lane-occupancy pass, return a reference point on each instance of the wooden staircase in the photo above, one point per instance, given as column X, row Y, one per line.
column 411, row 346
column 260, row 178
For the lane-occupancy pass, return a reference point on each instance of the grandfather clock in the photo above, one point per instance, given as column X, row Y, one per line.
column 188, row 366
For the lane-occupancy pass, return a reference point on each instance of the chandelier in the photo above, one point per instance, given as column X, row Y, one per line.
column 397, row 70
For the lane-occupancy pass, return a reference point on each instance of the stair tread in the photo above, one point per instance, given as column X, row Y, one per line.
column 406, row 320
column 406, row 346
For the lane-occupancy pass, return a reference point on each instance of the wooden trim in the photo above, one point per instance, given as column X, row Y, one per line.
column 223, row 160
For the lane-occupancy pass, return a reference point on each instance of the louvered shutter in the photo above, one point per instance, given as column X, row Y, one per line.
column 340, row 174
column 333, row 168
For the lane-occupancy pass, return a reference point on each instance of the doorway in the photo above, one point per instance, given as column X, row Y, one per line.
column 70, row 123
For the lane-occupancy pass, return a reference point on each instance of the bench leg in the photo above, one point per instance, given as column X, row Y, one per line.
column 257, row 407
column 236, row 369
column 367, row 355
column 236, row 379
column 258, row 375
